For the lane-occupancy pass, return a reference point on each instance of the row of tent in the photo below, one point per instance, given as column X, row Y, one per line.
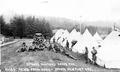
column 108, row 49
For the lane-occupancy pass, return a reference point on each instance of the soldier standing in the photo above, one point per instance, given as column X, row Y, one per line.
column 94, row 52
column 53, row 40
column 67, row 44
column 86, row 55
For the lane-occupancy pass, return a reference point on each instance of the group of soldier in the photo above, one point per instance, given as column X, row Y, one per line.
column 39, row 44
column 94, row 58
column 34, row 47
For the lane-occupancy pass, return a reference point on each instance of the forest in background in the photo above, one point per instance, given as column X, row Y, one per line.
column 21, row 26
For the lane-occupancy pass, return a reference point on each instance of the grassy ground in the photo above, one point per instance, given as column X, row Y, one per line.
column 43, row 61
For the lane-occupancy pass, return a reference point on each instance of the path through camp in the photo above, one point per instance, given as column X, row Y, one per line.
column 12, row 59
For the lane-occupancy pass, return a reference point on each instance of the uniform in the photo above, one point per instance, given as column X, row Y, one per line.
column 67, row 44
column 23, row 48
column 94, row 52
column 86, row 55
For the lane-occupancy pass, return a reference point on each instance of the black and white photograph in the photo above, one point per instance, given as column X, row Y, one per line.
column 59, row 35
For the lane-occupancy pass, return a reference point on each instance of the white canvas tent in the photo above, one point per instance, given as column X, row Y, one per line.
column 63, row 37
column 88, row 41
column 54, row 31
column 109, row 53
column 57, row 35
column 61, row 34
column 73, row 36
column 97, row 38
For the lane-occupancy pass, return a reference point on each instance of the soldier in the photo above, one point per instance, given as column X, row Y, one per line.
column 53, row 40
column 94, row 52
column 58, row 38
column 73, row 43
column 23, row 48
column 86, row 55
column 56, row 49
column 67, row 44
column 63, row 40
column 47, row 43
column 52, row 47
column 38, row 42
column 32, row 48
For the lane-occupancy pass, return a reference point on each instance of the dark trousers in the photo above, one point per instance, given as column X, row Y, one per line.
column 86, row 58
column 94, row 58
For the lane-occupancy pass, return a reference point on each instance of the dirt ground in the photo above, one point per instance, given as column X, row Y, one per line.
column 43, row 61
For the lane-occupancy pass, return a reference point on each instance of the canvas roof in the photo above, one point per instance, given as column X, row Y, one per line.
column 63, row 36
column 57, row 34
column 87, row 40
column 109, row 53
column 97, row 37
column 74, row 36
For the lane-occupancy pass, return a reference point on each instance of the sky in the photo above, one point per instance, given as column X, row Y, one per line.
column 83, row 10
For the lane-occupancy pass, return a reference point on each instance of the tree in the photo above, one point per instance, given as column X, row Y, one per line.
column 24, row 27
column 30, row 26
column 35, row 25
column 18, row 26
column 92, row 29
column 47, row 30
column 2, row 25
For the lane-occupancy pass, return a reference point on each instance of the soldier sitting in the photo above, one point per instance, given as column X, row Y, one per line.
column 54, row 47
column 41, row 47
column 47, row 43
column 34, row 47
column 51, row 47
column 23, row 48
